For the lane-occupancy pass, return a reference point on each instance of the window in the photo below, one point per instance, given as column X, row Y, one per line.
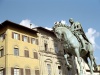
column 2, row 36
column 16, row 51
column 25, row 38
column 33, row 41
column 45, row 45
column 15, row 36
column 35, row 55
column 1, row 72
column 49, row 69
column 56, row 47
column 37, row 72
column 59, row 70
column 1, row 53
column 26, row 53
column 16, row 71
column 27, row 71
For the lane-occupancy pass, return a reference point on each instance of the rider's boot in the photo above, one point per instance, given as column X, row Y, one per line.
column 83, row 46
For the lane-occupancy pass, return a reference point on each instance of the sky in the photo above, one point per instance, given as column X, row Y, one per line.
column 45, row 12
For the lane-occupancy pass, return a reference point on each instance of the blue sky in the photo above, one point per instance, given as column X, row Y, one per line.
column 46, row 12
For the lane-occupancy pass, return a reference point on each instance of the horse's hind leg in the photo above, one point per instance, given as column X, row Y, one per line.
column 79, row 60
column 86, row 61
column 95, row 65
column 92, row 63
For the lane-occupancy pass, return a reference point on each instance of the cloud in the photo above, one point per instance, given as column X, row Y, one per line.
column 27, row 23
column 96, row 58
column 92, row 34
column 48, row 28
column 63, row 21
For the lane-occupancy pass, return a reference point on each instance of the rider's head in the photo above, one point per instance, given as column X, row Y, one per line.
column 71, row 20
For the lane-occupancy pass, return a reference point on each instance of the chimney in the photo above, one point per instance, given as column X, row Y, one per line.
column 30, row 25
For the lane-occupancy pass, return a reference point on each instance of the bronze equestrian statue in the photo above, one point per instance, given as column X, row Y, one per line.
column 75, row 43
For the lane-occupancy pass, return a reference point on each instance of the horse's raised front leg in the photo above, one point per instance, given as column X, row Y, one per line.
column 65, row 56
column 79, row 61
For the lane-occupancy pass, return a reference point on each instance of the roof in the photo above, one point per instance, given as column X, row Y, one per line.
column 7, row 22
column 42, row 28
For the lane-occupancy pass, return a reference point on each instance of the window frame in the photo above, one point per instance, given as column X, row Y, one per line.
column 35, row 54
column 15, row 36
column 27, row 72
column 2, row 36
column 33, row 40
column 16, row 50
column 17, row 72
column 1, row 52
column 56, row 48
column 26, row 53
column 49, row 69
column 25, row 38
column 37, row 72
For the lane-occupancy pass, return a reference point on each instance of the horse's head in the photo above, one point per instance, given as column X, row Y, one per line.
column 58, row 29
column 58, row 33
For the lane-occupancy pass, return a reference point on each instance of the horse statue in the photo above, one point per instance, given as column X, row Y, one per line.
column 72, row 46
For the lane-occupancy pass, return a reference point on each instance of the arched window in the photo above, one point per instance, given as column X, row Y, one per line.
column 16, row 51
column 27, row 70
column 35, row 54
column 49, row 66
column 49, row 69
column 26, row 52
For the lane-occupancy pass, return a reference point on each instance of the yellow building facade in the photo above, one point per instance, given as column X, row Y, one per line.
column 26, row 51
column 18, row 50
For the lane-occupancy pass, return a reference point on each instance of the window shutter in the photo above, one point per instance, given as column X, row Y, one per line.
column 12, row 71
column 22, row 37
column 37, row 41
column 4, row 35
column 27, row 53
column 31, row 40
column 21, row 71
column 35, row 55
column 13, row 35
column 37, row 72
column 4, row 71
column 26, row 72
column 2, row 52
column 18, row 36
column 28, row 40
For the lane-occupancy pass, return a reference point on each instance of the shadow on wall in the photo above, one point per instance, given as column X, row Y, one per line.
column 61, row 64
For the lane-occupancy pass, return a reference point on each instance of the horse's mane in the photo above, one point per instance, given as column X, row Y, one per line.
column 60, row 25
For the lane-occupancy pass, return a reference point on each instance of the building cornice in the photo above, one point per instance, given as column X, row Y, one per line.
column 12, row 24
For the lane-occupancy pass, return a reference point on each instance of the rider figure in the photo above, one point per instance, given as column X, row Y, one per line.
column 77, row 30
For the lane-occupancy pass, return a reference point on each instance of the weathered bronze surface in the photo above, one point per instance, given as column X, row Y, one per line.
column 75, row 43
